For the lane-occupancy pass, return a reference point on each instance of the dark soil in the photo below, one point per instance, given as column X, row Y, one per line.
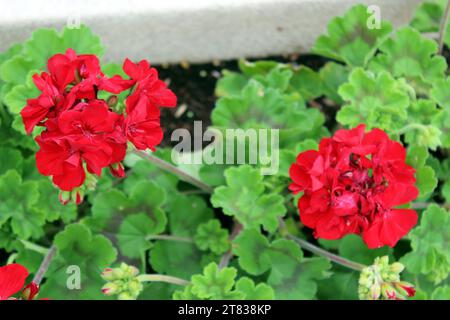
column 194, row 86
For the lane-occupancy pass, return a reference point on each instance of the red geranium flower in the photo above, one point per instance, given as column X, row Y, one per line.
column 352, row 184
column 83, row 133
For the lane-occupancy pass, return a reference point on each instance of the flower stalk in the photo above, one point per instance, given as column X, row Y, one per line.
column 168, row 238
column 44, row 265
column 176, row 171
column 162, row 278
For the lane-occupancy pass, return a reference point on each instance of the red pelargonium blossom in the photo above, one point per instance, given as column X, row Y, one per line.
column 353, row 184
column 82, row 133
column 12, row 280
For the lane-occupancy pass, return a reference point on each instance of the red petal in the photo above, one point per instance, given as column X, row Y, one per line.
column 12, row 279
column 389, row 228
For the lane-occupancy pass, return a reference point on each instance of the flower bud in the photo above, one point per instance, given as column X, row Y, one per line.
column 30, row 291
column 123, row 282
column 388, row 291
column 382, row 280
column 397, row 267
column 110, row 288
column 117, row 170
column 107, row 274
column 405, row 288
column 64, row 197
column 78, row 196
column 135, row 287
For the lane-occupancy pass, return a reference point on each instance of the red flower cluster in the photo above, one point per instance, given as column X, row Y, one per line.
column 353, row 184
column 12, row 280
column 82, row 132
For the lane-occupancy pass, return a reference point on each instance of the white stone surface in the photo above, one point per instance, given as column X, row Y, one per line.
column 195, row 31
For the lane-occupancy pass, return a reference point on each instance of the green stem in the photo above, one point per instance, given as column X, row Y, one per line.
column 34, row 247
column 409, row 127
column 11, row 258
column 143, row 262
column 44, row 265
column 443, row 27
column 168, row 237
column 225, row 259
column 321, row 252
column 162, row 278
column 171, row 168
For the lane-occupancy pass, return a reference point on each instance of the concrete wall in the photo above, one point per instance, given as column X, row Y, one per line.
column 195, row 31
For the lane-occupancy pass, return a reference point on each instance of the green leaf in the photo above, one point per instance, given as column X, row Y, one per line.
column 178, row 259
column 430, row 242
column 76, row 246
column 105, row 206
column 42, row 45
column 134, row 231
column 143, row 170
column 252, row 248
column 186, row 213
column 10, row 159
column 333, row 76
column 15, row 49
column 428, row 18
column 244, row 198
column 427, row 119
column 215, row 284
column 440, row 93
column 230, row 84
column 111, row 207
column 16, row 69
column 427, row 135
column 340, row 286
column 441, row 293
column 349, row 38
column 251, row 291
column 16, row 99
column 426, row 181
column 428, row 15
column 185, row 294
column 410, row 55
column 376, row 99
column 211, row 236
column 262, row 106
column 49, row 203
column 291, row 275
column 417, row 156
column 307, row 82
column 442, row 121
column 181, row 259
column 353, row 248
column 18, row 202
column 82, row 40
